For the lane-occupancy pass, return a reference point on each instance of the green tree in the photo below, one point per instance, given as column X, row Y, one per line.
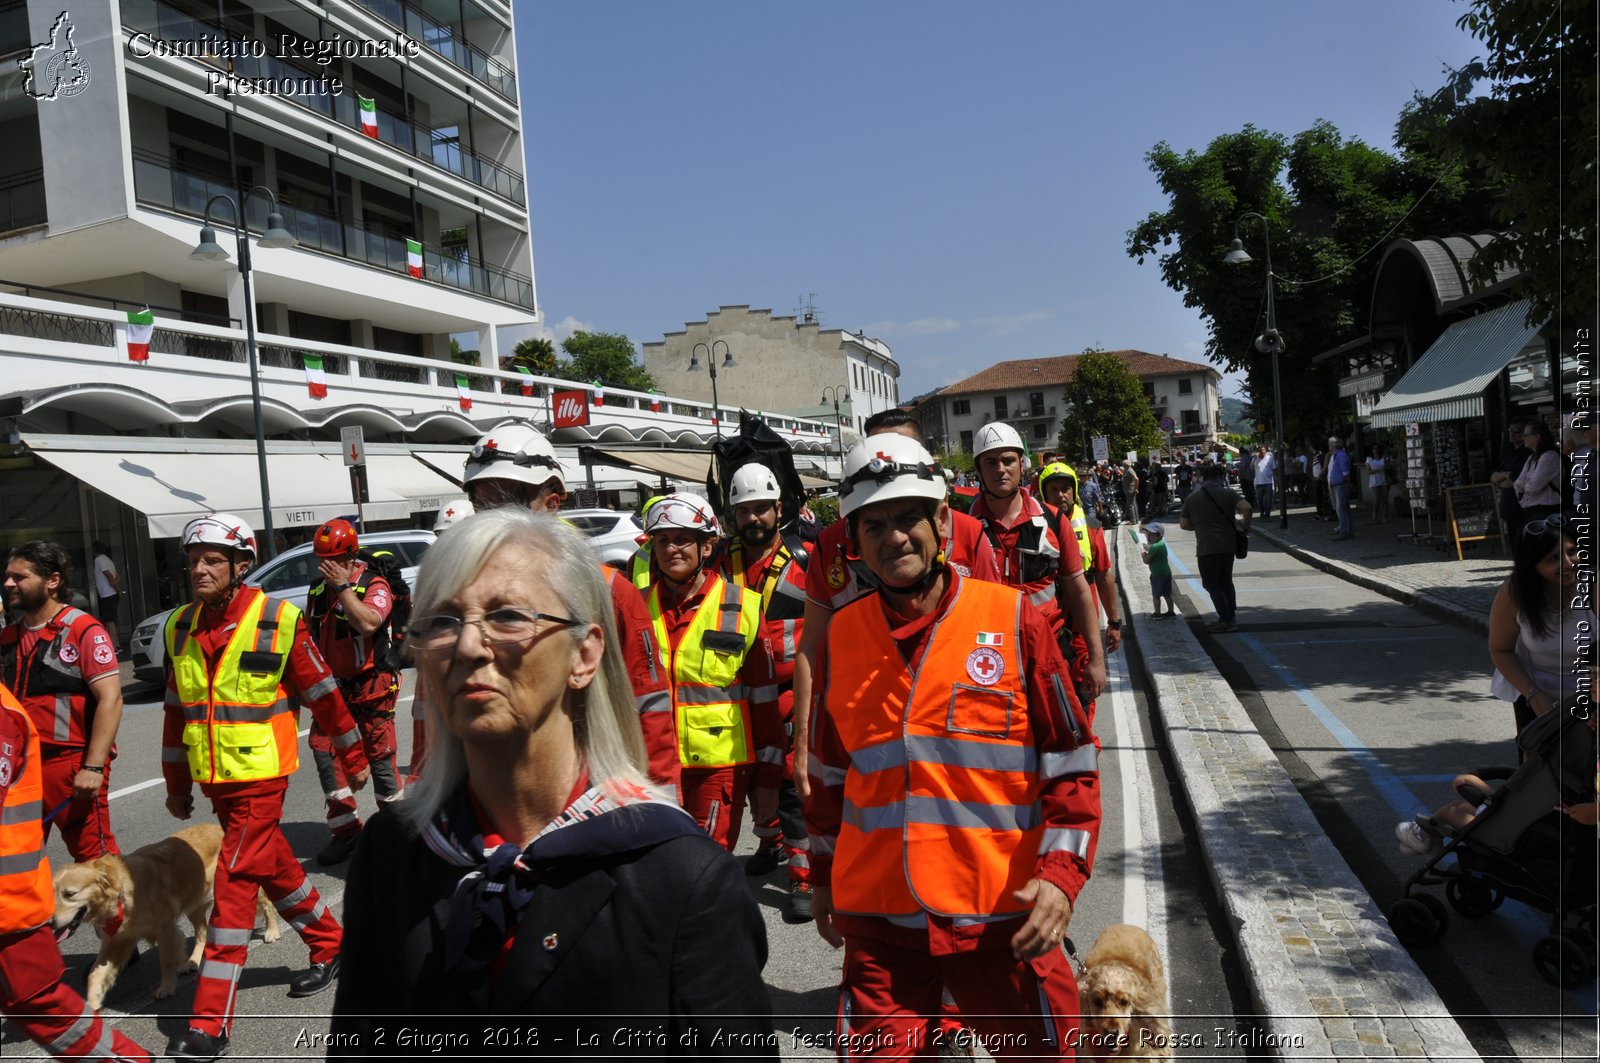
column 1533, row 135
column 605, row 358
column 536, row 354
column 1104, row 398
column 460, row 356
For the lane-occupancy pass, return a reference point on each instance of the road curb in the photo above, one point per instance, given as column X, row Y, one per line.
column 1328, row 974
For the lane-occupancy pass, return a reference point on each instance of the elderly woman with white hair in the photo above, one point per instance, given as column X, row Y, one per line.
column 534, row 890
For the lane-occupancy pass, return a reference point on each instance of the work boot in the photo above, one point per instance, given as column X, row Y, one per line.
column 314, row 979
column 198, row 1046
column 797, row 906
column 338, row 849
column 764, row 860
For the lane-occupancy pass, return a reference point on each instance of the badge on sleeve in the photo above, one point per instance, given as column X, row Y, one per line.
column 103, row 655
column 985, row 666
column 836, row 574
column 69, row 653
column 6, row 770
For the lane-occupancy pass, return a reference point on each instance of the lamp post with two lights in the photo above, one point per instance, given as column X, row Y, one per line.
column 711, row 363
column 832, row 393
column 1269, row 342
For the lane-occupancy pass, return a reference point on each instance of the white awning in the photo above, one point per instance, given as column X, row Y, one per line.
column 410, row 479
column 1447, row 382
column 451, row 463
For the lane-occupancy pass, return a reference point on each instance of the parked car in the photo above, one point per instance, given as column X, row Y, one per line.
column 614, row 535
column 288, row 576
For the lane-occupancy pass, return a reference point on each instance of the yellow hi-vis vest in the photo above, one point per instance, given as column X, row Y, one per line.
column 639, row 567
column 239, row 725
column 710, row 705
column 1080, row 529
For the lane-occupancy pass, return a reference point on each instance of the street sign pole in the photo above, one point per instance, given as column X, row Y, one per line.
column 354, row 447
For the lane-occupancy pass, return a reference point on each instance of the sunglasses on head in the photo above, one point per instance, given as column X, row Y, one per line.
column 1542, row 525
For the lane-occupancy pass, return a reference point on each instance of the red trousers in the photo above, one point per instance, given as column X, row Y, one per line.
column 889, row 1002
column 377, row 738
column 255, row 856
column 85, row 825
column 35, row 999
column 715, row 798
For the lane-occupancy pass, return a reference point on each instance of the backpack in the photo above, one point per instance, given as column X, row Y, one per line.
column 390, row 649
column 755, row 441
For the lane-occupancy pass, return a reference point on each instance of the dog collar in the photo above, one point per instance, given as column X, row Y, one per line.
column 113, row 925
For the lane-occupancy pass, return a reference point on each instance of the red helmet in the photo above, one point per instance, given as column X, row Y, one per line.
column 337, row 538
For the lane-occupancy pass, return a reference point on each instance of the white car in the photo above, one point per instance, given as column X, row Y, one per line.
column 614, row 535
column 288, row 576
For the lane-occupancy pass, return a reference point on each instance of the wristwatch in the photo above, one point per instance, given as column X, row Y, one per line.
column 341, row 588
column 1114, row 625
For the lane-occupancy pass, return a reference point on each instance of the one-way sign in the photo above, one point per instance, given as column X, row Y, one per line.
column 355, row 447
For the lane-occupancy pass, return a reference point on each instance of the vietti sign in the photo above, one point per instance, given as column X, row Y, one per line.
column 570, row 408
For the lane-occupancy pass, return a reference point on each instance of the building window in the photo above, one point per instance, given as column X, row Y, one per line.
column 1191, row 421
column 966, row 442
column 1036, row 403
column 960, row 407
column 1186, row 386
column 1150, row 390
column 1039, row 429
column 999, row 407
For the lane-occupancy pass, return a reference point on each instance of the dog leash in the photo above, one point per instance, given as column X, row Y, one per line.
column 56, row 811
column 1078, row 966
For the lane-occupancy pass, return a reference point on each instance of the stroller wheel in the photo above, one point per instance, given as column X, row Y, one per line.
column 1562, row 960
column 1472, row 898
column 1418, row 920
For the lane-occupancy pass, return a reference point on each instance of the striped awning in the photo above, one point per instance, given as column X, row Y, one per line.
column 1447, row 382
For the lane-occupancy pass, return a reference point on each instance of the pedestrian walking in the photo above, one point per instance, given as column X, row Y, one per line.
column 1266, row 481
column 238, row 665
column 1154, row 555
column 940, row 699
column 1210, row 513
column 108, row 591
column 62, row 665
column 1378, row 473
column 1246, row 469
column 1339, row 477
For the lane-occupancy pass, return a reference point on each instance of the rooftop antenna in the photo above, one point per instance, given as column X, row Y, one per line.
column 808, row 312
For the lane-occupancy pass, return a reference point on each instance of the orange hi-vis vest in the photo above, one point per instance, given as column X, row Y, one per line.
column 941, row 799
column 711, row 705
column 239, row 725
column 27, row 890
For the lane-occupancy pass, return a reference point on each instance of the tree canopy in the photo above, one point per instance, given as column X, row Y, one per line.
column 1104, row 398
column 536, row 354
column 604, row 358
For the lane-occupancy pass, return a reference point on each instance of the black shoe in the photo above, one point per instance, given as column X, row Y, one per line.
column 338, row 849
column 314, row 979
column 797, row 906
column 764, row 860
column 196, row 1045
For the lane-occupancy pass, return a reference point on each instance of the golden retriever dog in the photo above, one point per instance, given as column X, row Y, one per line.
column 1124, row 995
column 138, row 897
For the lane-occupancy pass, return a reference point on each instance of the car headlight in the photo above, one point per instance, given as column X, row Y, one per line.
column 144, row 632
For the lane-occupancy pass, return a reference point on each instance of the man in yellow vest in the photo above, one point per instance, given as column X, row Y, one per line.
column 32, row 993
column 954, row 805
column 236, row 660
column 724, row 696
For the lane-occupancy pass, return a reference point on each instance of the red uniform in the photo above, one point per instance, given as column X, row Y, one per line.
column 938, row 788
column 648, row 674
column 836, row 577
column 53, row 672
column 255, row 855
column 1032, row 558
column 370, row 693
column 32, row 993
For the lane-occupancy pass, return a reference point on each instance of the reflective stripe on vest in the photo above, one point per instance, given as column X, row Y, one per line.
column 27, row 890
column 712, row 708
column 941, row 808
column 52, row 690
column 239, row 723
column 639, row 568
column 1080, row 528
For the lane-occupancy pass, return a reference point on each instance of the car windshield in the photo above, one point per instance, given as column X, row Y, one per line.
column 594, row 525
column 291, row 572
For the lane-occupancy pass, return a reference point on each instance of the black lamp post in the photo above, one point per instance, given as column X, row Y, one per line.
column 208, row 250
column 711, row 363
column 1269, row 342
column 833, row 393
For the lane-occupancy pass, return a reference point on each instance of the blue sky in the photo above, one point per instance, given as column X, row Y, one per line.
column 955, row 178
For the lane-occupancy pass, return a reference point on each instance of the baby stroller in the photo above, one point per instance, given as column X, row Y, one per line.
column 1521, row 847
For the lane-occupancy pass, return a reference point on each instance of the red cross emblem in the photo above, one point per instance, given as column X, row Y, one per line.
column 985, row 666
column 884, row 456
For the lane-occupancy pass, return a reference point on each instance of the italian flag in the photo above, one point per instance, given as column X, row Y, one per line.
column 463, row 394
column 414, row 258
column 141, row 323
column 991, row 638
column 599, row 396
column 655, row 402
column 316, row 383
column 369, row 117
column 527, row 380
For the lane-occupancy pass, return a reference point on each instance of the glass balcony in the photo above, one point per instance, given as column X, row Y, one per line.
column 440, row 38
column 158, row 184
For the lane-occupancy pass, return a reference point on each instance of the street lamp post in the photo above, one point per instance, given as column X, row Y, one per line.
column 208, row 250
column 833, row 393
column 1269, row 342
column 711, row 363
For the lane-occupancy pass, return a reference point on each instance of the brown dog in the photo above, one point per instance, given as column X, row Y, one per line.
column 1124, row 995
column 139, row 897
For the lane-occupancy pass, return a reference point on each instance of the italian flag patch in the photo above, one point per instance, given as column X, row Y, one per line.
column 991, row 638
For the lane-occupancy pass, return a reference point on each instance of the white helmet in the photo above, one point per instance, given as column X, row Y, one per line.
column 753, row 482
column 886, row 467
column 515, row 452
column 682, row 510
column 997, row 435
column 220, row 529
column 452, row 513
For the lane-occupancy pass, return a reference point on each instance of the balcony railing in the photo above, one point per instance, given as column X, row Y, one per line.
column 430, row 145
column 158, row 184
column 22, row 200
column 440, row 38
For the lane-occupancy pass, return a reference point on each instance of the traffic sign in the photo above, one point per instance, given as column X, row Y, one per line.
column 1168, row 424
column 354, row 446
column 1102, row 448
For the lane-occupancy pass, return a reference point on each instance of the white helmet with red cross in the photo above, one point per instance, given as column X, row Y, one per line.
column 682, row 510
column 886, row 467
column 222, row 530
column 517, row 452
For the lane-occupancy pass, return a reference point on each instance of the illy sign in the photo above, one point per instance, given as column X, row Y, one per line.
column 570, row 409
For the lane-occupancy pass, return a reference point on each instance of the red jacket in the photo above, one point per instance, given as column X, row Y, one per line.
column 836, row 576
column 1034, row 556
column 648, row 675
column 783, row 608
column 52, row 678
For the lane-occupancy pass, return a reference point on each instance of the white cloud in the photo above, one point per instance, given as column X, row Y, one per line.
column 511, row 335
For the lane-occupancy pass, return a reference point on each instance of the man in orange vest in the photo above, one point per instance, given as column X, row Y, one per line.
column 32, row 994
column 349, row 617
column 954, row 806
column 237, row 661
column 62, row 665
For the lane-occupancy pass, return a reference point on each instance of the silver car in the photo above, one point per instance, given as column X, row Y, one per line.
column 613, row 535
column 288, row 576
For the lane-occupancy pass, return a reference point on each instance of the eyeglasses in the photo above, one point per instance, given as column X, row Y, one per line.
column 1542, row 525
column 506, row 626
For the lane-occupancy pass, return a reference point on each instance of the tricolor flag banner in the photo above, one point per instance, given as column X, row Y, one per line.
column 316, row 383
column 599, row 396
column 527, row 381
column 463, row 394
column 369, row 117
column 141, row 324
column 655, row 402
column 991, row 638
column 414, row 258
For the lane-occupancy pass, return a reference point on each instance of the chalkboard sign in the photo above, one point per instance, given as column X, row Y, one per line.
column 1472, row 516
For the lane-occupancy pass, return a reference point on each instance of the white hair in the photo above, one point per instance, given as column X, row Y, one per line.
column 604, row 719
